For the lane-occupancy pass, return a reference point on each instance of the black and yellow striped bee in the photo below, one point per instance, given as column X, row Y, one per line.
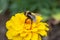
column 30, row 16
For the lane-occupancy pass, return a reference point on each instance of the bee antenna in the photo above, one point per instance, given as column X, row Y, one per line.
column 25, row 13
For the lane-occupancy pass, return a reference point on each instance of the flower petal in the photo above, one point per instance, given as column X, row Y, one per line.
column 34, row 36
column 8, row 24
column 39, row 37
column 17, row 38
column 23, row 34
column 34, row 30
column 28, row 37
column 27, row 26
column 41, row 26
column 42, row 33
column 38, row 18
column 11, row 33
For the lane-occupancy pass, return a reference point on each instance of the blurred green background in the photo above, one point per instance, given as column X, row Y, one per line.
column 46, row 8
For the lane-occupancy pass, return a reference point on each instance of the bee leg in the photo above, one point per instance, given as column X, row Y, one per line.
column 26, row 20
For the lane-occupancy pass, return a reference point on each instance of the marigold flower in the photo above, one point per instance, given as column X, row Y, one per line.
column 19, row 30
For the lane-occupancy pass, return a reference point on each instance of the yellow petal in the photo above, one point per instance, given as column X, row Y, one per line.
column 39, row 37
column 47, row 29
column 11, row 33
column 21, row 17
column 16, row 24
column 18, row 27
column 42, row 33
column 33, row 25
column 34, row 36
column 41, row 26
column 8, row 24
column 34, row 30
column 27, row 26
column 38, row 18
column 28, row 37
column 23, row 34
column 17, row 38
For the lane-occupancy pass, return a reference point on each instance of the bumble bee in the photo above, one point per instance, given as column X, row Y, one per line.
column 30, row 16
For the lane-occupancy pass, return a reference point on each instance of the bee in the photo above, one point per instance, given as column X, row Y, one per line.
column 30, row 16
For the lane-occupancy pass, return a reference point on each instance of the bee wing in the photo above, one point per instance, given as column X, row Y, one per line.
column 36, row 14
column 33, row 17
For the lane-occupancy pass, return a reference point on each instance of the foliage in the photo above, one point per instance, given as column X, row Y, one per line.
column 46, row 8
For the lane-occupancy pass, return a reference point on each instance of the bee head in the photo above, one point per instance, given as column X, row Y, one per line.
column 27, row 13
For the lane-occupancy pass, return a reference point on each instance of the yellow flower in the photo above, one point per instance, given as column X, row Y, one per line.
column 21, row 29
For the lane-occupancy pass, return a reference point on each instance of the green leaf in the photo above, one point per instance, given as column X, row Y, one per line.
column 3, row 5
